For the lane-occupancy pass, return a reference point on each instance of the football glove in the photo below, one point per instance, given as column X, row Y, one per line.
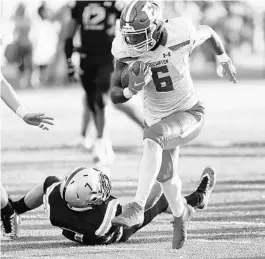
column 226, row 68
column 72, row 72
column 138, row 82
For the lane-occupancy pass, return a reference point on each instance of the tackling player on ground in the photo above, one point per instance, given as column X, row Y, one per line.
column 173, row 113
column 82, row 205
column 9, row 96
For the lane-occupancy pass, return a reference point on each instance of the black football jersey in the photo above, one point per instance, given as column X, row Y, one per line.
column 92, row 226
column 97, row 20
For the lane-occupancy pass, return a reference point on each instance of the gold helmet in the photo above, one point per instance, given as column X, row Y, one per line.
column 85, row 187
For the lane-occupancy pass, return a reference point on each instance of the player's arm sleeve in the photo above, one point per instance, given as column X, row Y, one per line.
column 110, row 213
column 70, row 32
column 204, row 34
column 116, row 92
column 11, row 99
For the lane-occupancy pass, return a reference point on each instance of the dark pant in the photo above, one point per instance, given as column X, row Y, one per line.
column 96, row 79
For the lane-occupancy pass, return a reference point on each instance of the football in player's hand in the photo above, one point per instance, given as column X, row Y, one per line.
column 134, row 67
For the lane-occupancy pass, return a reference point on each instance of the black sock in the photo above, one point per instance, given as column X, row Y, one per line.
column 194, row 199
column 20, row 206
column 7, row 210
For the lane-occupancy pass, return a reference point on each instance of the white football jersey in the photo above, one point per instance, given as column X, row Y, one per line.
column 171, row 88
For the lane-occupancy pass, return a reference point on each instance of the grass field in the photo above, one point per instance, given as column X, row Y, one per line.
column 232, row 141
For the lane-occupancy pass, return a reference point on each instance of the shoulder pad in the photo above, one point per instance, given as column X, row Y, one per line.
column 180, row 32
column 118, row 50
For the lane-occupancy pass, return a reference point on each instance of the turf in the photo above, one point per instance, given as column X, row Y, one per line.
column 232, row 141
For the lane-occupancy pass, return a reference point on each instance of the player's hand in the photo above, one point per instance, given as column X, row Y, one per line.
column 72, row 72
column 138, row 82
column 38, row 119
column 228, row 70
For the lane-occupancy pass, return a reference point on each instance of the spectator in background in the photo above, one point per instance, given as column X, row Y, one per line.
column 22, row 45
column 45, row 35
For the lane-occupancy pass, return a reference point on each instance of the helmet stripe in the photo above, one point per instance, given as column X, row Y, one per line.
column 127, row 18
column 70, row 178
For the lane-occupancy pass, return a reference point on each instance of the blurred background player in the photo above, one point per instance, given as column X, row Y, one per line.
column 8, row 216
column 173, row 113
column 21, row 47
column 97, row 20
column 82, row 205
column 44, row 51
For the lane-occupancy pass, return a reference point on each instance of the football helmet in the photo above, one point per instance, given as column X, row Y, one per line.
column 141, row 25
column 85, row 187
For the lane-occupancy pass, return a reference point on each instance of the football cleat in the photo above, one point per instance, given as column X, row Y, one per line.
column 88, row 143
column 206, row 186
column 10, row 225
column 180, row 227
column 132, row 215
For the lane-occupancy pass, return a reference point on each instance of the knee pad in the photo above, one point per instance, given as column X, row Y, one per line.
column 167, row 168
column 49, row 181
column 155, row 133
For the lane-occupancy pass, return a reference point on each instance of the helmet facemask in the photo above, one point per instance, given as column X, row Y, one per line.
column 138, row 42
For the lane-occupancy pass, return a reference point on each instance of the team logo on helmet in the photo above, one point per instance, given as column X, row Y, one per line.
column 140, row 26
column 149, row 10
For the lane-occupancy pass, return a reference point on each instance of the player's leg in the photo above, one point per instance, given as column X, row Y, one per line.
column 103, row 148
column 149, row 167
column 9, row 218
column 88, row 82
column 86, row 121
column 157, row 202
column 132, row 112
column 34, row 198
column 185, row 126
column 199, row 199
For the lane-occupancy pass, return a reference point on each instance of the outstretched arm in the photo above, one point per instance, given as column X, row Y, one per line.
column 206, row 35
column 68, row 49
column 11, row 99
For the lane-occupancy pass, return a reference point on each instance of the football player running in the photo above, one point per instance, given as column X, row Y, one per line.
column 82, row 205
column 173, row 113
column 97, row 22
column 9, row 218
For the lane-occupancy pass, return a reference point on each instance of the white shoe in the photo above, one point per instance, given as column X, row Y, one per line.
column 103, row 153
column 87, row 142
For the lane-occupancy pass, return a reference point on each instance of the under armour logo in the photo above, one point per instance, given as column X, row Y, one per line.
column 166, row 54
